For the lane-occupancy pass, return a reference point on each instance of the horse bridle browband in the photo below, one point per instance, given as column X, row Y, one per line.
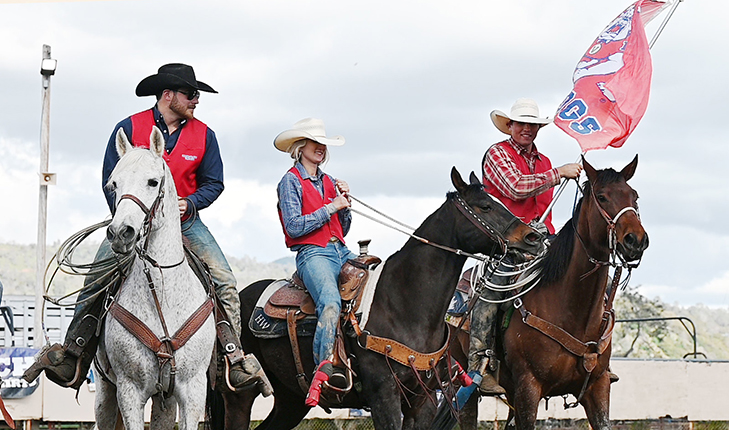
column 482, row 224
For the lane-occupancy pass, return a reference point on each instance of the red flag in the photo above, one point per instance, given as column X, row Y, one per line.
column 611, row 82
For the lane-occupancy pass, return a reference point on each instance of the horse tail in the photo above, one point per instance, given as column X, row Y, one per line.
column 444, row 418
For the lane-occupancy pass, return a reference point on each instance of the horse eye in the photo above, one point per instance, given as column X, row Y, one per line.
column 486, row 209
column 601, row 198
column 112, row 186
column 153, row 183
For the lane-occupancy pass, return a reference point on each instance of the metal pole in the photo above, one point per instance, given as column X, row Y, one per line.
column 650, row 45
column 663, row 24
column 561, row 188
column 42, row 204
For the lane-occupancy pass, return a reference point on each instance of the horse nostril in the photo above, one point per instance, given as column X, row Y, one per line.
column 532, row 238
column 109, row 234
column 128, row 234
column 630, row 241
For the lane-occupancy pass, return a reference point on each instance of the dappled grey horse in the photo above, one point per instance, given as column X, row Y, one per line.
column 159, row 334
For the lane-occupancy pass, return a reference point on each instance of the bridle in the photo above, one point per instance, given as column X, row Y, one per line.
column 615, row 259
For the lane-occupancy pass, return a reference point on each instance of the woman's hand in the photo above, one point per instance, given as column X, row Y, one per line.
column 342, row 187
column 341, row 202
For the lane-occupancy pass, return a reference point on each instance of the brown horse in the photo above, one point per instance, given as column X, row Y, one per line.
column 558, row 338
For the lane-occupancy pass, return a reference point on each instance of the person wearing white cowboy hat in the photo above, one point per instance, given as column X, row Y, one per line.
column 193, row 156
column 522, row 178
column 314, row 212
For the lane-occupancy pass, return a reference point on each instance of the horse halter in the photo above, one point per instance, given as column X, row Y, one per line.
column 480, row 223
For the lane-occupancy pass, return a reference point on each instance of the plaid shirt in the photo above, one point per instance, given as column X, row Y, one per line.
column 290, row 198
column 500, row 170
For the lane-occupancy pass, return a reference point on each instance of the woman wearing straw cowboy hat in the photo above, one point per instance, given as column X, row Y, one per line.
column 314, row 212
column 521, row 177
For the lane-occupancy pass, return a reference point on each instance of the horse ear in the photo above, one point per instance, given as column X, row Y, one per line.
column 457, row 180
column 122, row 143
column 474, row 179
column 589, row 170
column 629, row 170
column 157, row 142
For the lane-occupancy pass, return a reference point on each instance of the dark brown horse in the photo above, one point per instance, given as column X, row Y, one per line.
column 558, row 340
column 409, row 304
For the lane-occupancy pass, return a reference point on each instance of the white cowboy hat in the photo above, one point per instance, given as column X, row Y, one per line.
column 308, row 128
column 523, row 110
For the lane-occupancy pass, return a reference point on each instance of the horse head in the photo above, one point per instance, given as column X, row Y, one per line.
column 140, row 182
column 494, row 222
column 616, row 203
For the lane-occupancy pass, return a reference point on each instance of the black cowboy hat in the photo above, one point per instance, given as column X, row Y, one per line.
column 171, row 76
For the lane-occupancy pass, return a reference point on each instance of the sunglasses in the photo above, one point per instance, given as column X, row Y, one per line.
column 190, row 94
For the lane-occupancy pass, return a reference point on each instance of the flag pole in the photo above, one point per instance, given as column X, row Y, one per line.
column 663, row 24
column 558, row 193
column 561, row 188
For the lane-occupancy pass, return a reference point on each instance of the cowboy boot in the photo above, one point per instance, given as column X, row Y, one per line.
column 55, row 362
column 481, row 351
column 322, row 374
column 248, row 374
column 67, row 365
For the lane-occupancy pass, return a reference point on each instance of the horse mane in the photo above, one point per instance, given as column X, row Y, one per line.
column 555, row 264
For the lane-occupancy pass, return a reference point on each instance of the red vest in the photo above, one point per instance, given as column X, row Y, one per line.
column 311, row 200
column 531, row 207
column 185, row 158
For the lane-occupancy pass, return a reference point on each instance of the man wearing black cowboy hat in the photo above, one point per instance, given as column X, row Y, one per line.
column 193, row 156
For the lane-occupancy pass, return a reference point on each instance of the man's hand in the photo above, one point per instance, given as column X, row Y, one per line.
column 569, row 171
column 182, row 205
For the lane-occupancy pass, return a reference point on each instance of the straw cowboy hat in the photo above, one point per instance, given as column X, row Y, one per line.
column 308, row 128
column 523, row 110
column 171, row 76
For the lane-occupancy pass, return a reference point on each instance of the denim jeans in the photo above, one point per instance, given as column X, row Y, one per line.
column 202, row 243
column 319, row 269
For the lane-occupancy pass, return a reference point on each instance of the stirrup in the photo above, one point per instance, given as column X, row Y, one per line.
column 43, row 362
column 489, row 386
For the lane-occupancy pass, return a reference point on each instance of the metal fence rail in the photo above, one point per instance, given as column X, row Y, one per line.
column 19, row 330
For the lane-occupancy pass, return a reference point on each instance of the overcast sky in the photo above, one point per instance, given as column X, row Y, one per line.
column 409, row 84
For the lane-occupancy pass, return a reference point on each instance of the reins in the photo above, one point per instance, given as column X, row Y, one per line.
column 463, row 207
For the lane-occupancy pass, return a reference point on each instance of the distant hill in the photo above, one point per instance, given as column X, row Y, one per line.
column 17, row 269
column 665, row 339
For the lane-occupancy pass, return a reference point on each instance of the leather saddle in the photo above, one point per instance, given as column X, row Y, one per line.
column 293, row 295
column 293, row 304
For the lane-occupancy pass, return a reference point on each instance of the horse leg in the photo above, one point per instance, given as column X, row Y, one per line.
column 383, row 397
column 419, row 417
column 106, row 407
column 191, row 398
column 164, row 413
column 288, row 410
column 131, row 404
column 596, row 402
column 526, row 402
column 238, row 408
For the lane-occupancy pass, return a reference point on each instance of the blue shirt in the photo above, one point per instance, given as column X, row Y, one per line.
column 209, row 174
column 290, row 200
